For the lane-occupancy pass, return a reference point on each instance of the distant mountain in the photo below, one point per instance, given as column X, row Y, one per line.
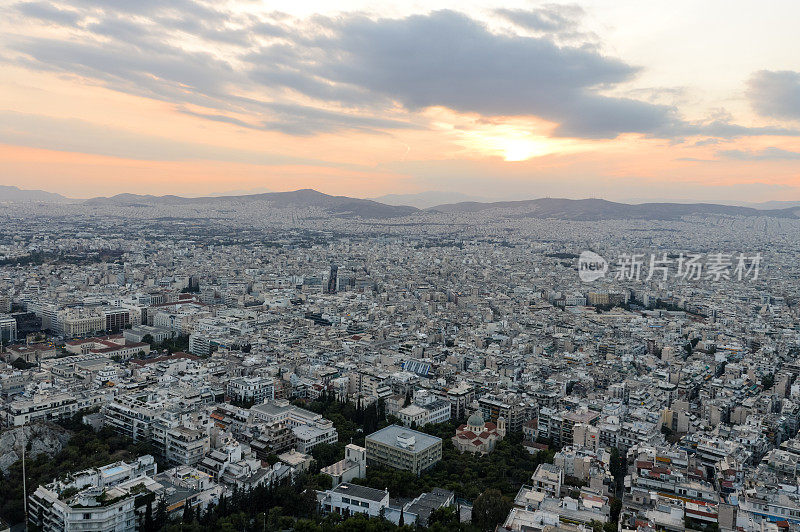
column 142, row 199
column 598, row 209
column 16, row 194
column 257, row 190
column 346, row 207
column 423, row 200
column 774, row 205
column 341, row 206
column 769, row 205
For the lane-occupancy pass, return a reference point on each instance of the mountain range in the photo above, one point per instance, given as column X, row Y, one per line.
column 425, row 200
column 347, row 207
column 599, row 209
column 16, row 194
column 341, row 206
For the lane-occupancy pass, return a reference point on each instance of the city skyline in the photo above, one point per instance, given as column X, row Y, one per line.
column 526, row 100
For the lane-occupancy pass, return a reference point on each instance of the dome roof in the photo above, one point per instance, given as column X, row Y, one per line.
column 475, row 420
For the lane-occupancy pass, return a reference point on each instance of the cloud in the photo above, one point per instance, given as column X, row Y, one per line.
column 73, row 135
column 448, row 59
column 351, row 72
column 767, row 154
column 550, row 18
column 775, row 94
column 48, row 13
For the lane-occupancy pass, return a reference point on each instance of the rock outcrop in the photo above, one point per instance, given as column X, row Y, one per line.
column 46, row 438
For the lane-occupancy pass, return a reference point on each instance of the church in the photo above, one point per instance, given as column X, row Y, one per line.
column 479, row 436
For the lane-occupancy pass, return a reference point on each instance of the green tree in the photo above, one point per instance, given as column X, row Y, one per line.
column 149, row 525
column 490, row 509
column 161, row 514
column 325, row 454
column 188, row 513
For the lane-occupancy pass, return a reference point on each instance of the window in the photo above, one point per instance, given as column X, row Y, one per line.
column 345, row 500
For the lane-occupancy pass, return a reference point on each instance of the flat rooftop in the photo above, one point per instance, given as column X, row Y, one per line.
column 388, row 436
column 359, row 492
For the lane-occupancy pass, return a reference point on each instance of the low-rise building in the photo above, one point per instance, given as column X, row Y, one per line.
column 349, row 498
column 403, row 448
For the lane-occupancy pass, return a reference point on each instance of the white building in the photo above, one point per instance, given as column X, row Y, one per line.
column 351, row 498
column 252, row 390
column 101, row 499
column 354, row 465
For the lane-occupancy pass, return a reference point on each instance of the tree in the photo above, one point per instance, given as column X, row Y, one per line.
column 402, row 520
column 161, row 514
column 325, row 453
column 489, row 509
column 149, row 525
column 618, row 466
column 446, row 517
column 188, row 513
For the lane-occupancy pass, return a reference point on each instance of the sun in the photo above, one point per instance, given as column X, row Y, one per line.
column 522, row 149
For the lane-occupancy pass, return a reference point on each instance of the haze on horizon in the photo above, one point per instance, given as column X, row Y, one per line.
column 686, row 101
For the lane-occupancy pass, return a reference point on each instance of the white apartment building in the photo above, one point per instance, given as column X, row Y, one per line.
column 40, row 408
column 104, row 502
column 251, row 389
column 309, row 436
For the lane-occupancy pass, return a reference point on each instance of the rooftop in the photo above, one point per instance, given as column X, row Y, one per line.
column 390, row 434
column 360, row 492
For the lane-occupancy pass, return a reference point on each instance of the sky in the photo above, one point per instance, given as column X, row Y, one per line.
column 621, row 99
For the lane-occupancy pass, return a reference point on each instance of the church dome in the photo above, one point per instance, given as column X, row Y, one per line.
column 475, row 420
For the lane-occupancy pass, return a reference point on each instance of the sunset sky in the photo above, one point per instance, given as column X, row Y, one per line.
column 622, row 99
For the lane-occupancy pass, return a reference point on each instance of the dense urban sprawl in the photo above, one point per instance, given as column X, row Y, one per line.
column 257, row 366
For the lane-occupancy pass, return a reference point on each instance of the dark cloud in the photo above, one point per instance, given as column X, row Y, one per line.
column 767, row 154
column 775, row 94
column 448, row 59
column 361, row 65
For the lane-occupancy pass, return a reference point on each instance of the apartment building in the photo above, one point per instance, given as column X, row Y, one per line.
column 131, row 416
column 101, row 499
column 41, row 408
column 309, row 436
column 8, row 329
column 493, row 408
column 253, row 390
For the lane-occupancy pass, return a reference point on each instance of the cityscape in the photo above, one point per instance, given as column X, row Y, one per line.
column 427, row 368
column 384, row 267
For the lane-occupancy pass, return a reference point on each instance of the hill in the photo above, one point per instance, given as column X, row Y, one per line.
column 599, row 209
column 16, row 194
column 341, row 206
